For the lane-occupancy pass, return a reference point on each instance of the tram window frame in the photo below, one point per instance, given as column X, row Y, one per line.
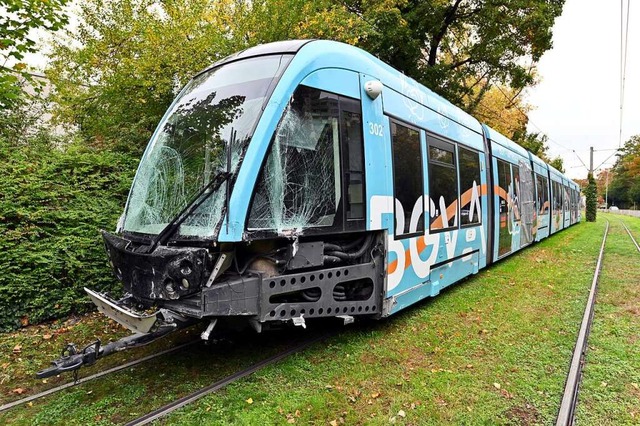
column 438, row 143
column 476, row 154
column 420, row 229
column 543, row 185
column 352, row 106
column 515, row 180
column 341, row 223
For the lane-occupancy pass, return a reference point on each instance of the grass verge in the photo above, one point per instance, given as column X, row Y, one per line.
column 492, row 349
column 610, row 390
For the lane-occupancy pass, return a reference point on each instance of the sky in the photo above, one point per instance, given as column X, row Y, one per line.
column 577, row 102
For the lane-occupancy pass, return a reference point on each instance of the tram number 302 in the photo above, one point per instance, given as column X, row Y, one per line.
column 375, row 129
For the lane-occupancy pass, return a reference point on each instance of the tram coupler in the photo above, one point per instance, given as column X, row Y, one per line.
column 72, row 359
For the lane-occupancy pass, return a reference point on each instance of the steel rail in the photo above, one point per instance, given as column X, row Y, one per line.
column 53, row 390
column 631, row 235
column 572, row 386
column 216, row 386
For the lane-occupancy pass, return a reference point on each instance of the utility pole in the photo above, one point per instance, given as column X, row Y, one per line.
column 606, row 192
column 591, row 161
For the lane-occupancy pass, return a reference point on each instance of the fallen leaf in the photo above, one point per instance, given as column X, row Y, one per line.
column 250, row 401
column 46, row 336
column 5, row 365
column 375, row 395
column 291, row 420
column 497, row 385
column 19, row 391
column 17, row 349
column 24, row 321
column 635, row 385
column 333, row 423
column 30, row 404
column 297, row 413
column 402, row 414
column 44, row 380
column 469, row 366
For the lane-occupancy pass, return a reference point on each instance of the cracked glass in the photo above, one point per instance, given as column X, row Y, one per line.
column 299, row 185
column 193, row 143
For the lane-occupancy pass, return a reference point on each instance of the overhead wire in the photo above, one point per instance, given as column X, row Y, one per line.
column 624, row 38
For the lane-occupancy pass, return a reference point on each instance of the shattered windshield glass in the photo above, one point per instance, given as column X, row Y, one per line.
column 299, row 185
column 191, row 145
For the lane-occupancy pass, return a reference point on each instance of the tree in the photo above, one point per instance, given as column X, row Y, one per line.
column 18, row 19
column 591, row 199
column 624, row 188
column 455, row 46
column 116, row 74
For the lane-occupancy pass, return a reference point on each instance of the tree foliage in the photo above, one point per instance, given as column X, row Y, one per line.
column 454, row 46
column 624, row 186
column 18, row 20
column 118, row 71
column 591, row 199
column 116, row 74
column 52, row 204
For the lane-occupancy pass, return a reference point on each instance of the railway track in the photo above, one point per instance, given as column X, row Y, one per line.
column 630, row 235
column 216, row 386
column 572, row 386
column 81, row 380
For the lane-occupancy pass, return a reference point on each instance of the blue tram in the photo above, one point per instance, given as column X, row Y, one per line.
column 305, row 179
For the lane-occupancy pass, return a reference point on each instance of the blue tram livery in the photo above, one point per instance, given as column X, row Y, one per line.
column 305, row 179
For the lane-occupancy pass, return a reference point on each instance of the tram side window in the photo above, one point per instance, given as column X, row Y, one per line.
column 543, row 194
column 407, row 174
column 299, row 185
column 469, row 162
column 354, row 163
column 557, row 197
column 516, row 186
column 443, row 184
column 504, row 182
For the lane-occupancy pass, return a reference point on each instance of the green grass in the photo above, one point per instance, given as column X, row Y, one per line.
column 610, row 391
column 494, row 349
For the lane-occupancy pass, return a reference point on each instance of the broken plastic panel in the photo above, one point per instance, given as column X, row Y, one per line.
column 299, row 185
column 191, row 145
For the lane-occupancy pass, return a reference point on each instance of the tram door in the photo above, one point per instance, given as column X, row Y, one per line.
column 527, row 203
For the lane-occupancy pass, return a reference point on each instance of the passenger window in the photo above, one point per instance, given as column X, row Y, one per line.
column 543, row 194
column 469, row 162
column 516, row 189
column 443, row 185
column 557, row 198
column 407, row 174
column 299, row 185
column 504, row 182
column 354, row 159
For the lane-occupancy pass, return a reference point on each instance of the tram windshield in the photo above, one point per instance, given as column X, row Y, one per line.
column 193, row 142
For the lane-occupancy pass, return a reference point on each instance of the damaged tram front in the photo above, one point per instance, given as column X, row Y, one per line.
column 248, row 205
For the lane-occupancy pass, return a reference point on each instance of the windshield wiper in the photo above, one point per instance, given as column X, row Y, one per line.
column 212, row 186
column 209, row 188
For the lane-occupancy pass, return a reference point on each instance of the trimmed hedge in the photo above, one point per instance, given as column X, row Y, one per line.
column 52, row 205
